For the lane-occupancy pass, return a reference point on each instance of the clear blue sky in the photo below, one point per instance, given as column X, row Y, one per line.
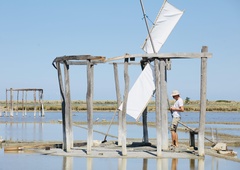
column 34, row 32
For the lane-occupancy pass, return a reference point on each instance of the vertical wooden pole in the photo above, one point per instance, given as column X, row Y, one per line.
column 11, row 102
column 115, row 67
column 89, row 99
column 23, row 103
column 124, row 110
column 60, row 81
column 25, row 110
column 203, row 103
column 41, row 102
column 144, row 114
column 6, row 101
column 17, row 100
column 35, row 102
column 157, row 106
column 68, row 109
column 163, row 105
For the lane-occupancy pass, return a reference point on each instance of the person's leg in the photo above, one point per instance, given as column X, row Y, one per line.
column 176, row 139
column 173, row 138
column 173, row 131
column 174, row 142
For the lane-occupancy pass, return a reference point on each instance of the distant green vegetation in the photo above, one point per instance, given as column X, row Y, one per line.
column 107, row 105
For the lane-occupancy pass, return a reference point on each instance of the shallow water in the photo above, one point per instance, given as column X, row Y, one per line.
column 30, row 128
column 45, row 162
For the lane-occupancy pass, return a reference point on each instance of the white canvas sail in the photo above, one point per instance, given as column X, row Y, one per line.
column 163, row 26
column 140, row 93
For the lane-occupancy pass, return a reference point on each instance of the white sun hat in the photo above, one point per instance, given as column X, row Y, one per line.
column 175, row 93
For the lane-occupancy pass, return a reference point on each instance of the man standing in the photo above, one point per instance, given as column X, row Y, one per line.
column 176, row 116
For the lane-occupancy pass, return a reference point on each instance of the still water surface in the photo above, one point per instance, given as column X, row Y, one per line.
column 30, row 128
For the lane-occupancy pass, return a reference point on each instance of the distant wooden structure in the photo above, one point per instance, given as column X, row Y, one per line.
column 24, row 100
column 161, row 61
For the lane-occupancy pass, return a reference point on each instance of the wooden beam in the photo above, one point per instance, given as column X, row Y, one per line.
column 79, row 57
column 203, row 102
column 162, row 55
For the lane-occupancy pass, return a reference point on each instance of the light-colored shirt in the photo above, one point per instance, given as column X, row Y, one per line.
column 178, row 103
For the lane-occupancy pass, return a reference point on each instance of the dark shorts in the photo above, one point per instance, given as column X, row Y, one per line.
column 174, row 124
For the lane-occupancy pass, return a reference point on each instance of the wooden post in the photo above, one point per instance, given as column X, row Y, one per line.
column 124, row 110
column 66, row 146
column 163, row 105
column 11, row 102
column 203, row 103
column 144, row 114
column 115, row 67
column 157, row 106
column 41, row 104
column 89, row 99
column 22, row 103
column 17, row 101
column 6, row 101
column 35, row 106
column 68, row 109
column 25, row 110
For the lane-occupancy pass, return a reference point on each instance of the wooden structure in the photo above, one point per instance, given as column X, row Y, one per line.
column 161, row 101
column 64, row 84
column 24, row 100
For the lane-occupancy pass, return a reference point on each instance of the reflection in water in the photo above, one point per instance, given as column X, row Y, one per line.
column 89, row 163
column 214, row 163
column 162, row 164
column 192, row 164
column 67, row 163
column 200, row 164
column 145, row 164
column 174, row 164
column 122, row 163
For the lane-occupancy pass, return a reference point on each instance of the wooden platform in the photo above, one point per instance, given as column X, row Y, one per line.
column 134, row 150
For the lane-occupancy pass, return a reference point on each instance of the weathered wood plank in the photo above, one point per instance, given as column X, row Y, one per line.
column 162, row 55
column 79, row 57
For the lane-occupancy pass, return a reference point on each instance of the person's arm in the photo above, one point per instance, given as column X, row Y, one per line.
column 180, row 109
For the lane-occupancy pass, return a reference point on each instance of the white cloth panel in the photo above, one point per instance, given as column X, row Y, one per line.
column 165, row 22
column 140, row 93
